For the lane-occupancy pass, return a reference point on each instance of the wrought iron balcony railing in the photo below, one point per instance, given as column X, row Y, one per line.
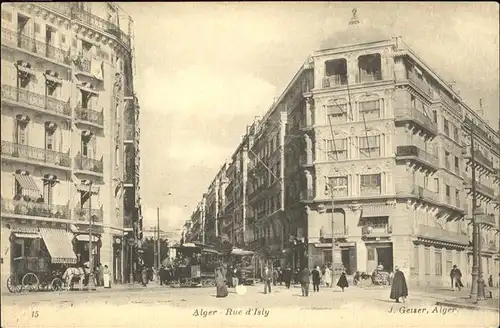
column 419, row 154
column 450, row 102
column 442, row 234
column 368, row 77
column 88, row 164
column 334, row 81
column 337, row 232
column 376, row 230
column 89, row 115
column 36, row 47
column 101, row 24
column 480, row 187
column 476, row 128
column 370, row 191
column 421, row 84
column 413, row 114
column 82, row 214
column 35, row 154
column 21, row 207
column 38, row 101
column 480, row 158
column 417, row 191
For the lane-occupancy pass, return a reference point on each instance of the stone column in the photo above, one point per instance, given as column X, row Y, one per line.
column 309, row 111
column 309, row 183
column 308, row 141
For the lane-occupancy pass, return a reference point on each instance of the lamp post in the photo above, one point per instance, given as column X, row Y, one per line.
column 91, row 285
column 328, row 188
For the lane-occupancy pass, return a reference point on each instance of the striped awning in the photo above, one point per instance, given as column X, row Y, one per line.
column 53, row 78
column 27, row 235
column 21, row 66
column 85, row 188
column 86, row 238
column 28, row 185
column 59, row 244
column 87, row 89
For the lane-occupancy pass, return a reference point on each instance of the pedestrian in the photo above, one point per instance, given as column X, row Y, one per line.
column 106, row 277
column 304, row 280
column 144, row 276
column 229, row 276
column 456, row 278
column 342, row 283
column 275, row 276
column 316, row 279
column 220, row 282
column 280, row 275
column 287, row 277
column 267, row 277
column 490, row 280
column 356, row 279
column 100, row 275
column 327, row 276
column 235, row 278
column 399, row 288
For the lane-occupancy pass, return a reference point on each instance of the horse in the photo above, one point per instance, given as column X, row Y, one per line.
column 72, row 273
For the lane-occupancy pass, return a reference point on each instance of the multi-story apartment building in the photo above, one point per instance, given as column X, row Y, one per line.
column 70, row 135
column 368, row 131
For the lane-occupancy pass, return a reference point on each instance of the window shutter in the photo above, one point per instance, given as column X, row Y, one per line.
column 37, row 28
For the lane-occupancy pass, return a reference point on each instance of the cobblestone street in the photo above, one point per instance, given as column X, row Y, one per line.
column 124, row 306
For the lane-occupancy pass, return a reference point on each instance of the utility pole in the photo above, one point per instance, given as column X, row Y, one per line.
column 328, row 186
column 91, row 285
column 477, row 286
column 158, row 237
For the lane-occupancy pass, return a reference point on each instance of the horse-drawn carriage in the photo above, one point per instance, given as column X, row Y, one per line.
column 34, row 274
column 195, row 265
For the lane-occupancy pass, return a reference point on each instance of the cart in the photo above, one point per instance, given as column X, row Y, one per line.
column 34, row 274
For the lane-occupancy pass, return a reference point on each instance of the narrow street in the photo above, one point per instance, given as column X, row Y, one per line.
column 188, row 307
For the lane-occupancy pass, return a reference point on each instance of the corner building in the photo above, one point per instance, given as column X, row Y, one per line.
column 365, row 119
column 70, row 136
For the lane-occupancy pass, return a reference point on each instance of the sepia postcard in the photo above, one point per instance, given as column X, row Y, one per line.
column 250, row 164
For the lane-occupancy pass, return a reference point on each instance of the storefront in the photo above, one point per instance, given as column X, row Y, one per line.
column 81, row 246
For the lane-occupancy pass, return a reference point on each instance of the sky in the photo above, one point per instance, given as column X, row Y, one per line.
column 205, row 70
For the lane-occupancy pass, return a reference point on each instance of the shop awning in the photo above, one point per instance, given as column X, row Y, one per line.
column 27, row 235
column 86, row 238
column 59, row 245
column 28, row 185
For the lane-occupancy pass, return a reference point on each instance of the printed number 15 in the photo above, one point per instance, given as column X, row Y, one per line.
column 34, row 314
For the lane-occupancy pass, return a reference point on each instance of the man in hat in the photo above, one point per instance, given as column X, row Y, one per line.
column 267, row 277
column 456, row 278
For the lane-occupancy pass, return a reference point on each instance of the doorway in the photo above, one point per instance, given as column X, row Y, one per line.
column 379, row 253
column 349, row 260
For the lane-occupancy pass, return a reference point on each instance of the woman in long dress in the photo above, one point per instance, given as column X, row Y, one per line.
column 220, row 282
column 106, row 277
column 342, row 283
column 399, row 288
column 327, row 277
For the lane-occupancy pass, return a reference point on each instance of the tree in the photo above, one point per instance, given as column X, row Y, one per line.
column 148, row 247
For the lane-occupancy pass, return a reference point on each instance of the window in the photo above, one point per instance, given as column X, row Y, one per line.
column 449, row 260
column 370, row 185
column 457, row 198
column 455, row 135
column 86, row 99
column 87, row 146
column 427, row 259
column 369, row 146
column 49, row 139
column 338, row 185
column 337, row 150
column 48, row 191
column 438, row 263
column 370, row 109
column 21, row 128
column 448, row 194
column 446, row 127
column 434, row 116
column 336, row 112
column 447, row 159
column 457, row 165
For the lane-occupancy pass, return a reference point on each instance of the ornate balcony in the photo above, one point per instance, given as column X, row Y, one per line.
column 35, row 101
column 417, row 156
column 334, row 81
column 468, row 123
column 82, row 64
column 481, row 162
column 89, row 116
column 441, row 235
column 480, row 188
column 376, row 230
column 82, row 214
column 34, row 209
column 307, row 195
column 413, row 115
column 337, row 233
column 38, row 48
column 448, row 101
column 83, row 163
column 488, row 220
column 45, row 157
column 415, row 191
column 100, row 24
column 370, row 191
column 419, row 83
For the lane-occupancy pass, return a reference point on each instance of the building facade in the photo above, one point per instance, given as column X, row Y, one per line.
column 70, row 136
column 368, row 131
